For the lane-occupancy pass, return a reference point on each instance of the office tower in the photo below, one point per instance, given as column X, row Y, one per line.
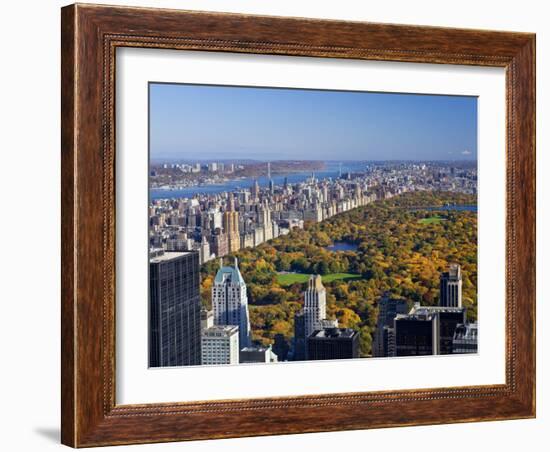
column 257, row 355
column 230, row 301
column 388, row 308
column 427, row 330
column 315, row 304
column 174, row 309
column 220, row 345
column 450, row 287
column 333, row 343
column 465, row 338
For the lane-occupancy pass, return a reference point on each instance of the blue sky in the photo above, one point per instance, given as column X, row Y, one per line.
column 198, row 122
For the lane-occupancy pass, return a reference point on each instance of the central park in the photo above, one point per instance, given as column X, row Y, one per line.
column 397, row 247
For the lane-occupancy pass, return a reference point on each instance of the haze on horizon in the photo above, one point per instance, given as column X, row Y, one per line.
column 203, row 122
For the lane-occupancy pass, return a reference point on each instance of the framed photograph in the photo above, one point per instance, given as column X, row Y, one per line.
column 281, row 225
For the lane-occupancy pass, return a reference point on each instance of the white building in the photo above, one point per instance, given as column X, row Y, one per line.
column 205, row 254
column 207, row 319
column 315, row 304
column 220, row 345
column 230, row 302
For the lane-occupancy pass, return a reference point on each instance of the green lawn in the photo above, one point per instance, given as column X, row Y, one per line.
column 430, row 220
column 287, row 279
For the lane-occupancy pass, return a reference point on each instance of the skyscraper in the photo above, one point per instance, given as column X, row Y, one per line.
column 230, row 301
column 333, row 343
column 174, row 309
column 388, row 308
column 450, row 287
column 427, row 330
column 315, row 304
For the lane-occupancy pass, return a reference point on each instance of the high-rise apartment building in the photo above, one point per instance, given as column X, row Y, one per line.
column 231, row 226
column 220, row 345
column 220, row 244
column 230, row 301
column 174, row 309
column 450, row 287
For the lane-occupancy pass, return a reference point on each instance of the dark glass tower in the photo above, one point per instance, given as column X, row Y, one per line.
column 299, row 346
column 333, row 343
column 427, row 330
column 174, row 310
column 388, row 309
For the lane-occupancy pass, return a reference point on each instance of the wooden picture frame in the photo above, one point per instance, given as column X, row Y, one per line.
column 90, row 36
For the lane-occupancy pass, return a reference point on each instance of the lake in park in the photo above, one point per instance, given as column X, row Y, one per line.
column 342, row 246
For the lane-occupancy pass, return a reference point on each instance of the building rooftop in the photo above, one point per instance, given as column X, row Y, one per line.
column 221, row 330
column 232, row 274
column 315, row 283
column 419, row 312
column 156, row 256
column 334, row 333
column 255, row 349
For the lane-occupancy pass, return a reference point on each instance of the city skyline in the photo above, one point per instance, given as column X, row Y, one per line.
column 245, row 123
column 312, row 257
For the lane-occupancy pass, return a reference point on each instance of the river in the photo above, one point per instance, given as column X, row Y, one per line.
column 332, row 170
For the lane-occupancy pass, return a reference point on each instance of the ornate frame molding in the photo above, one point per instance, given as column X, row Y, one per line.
column 90, row 37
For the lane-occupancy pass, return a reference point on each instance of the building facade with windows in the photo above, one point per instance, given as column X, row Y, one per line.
column 220, row 345
column 174, row 309
column 315, row 304
column 388, row 309
column 427, row 330
column 230, row 301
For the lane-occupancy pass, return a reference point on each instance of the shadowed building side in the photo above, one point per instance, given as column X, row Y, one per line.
column 174, row 309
